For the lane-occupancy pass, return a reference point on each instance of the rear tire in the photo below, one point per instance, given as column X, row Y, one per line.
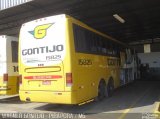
column 102, row 91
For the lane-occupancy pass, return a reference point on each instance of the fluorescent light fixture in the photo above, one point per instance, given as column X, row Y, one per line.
column 120, row 19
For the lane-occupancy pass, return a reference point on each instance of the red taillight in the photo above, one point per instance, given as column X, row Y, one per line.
column 20, row 79
column 69, row 79
column 5, row 77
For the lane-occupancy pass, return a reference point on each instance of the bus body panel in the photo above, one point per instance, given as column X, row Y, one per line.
column 87, row 76
column 49, row 96
column 34, row 66
column 8, row 65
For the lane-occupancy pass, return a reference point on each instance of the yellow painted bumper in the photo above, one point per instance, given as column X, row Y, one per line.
column 48, row 96
column 8, row 90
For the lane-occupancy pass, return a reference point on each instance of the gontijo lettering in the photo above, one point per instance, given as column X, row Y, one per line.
column 43, row 49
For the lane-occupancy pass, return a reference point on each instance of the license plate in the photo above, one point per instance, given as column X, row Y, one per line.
column 46, row 82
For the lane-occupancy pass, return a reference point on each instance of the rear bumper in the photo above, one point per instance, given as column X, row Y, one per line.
column 1, row 89
column 48, row 97
column 8, row 90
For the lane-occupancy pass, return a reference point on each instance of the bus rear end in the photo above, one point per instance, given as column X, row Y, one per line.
column 8, row 65
column 3, row 66
column 43, row 51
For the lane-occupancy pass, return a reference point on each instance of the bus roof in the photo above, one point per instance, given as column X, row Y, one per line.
column 80, row 23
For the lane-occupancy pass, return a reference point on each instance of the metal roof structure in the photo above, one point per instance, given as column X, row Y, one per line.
column 141, row 16
column 4, row 4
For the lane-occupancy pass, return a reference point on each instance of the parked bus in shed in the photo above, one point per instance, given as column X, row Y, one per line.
column 8, row 65
column 62, row 60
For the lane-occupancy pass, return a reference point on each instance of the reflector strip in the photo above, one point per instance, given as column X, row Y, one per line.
column 43, row 77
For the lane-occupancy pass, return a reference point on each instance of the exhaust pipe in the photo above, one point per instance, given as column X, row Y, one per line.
column 28, row 99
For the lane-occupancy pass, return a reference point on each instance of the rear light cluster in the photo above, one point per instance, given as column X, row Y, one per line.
column 5, row 78
column 69, row 81
column 20, row 79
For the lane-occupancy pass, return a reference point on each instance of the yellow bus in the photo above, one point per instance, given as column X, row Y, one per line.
column 62, row 60
column 8, row 65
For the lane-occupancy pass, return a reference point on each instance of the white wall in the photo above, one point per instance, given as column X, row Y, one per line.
column 153, row 59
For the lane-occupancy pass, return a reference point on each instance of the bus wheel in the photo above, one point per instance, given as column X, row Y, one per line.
column 110, row 88
column 102, row 91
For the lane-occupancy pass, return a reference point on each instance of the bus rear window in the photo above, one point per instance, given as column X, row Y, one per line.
column 14, row 48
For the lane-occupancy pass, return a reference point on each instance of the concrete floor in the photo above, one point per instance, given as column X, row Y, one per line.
column 129, row 102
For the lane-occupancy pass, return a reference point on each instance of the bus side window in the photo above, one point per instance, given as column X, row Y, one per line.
column 79, row 38
column 104, row 49
column 110, row 48
column 99, row 44
column 14, row 48
column 118, row 50
column 89, row 41
column 115, row 49
column 94, row 44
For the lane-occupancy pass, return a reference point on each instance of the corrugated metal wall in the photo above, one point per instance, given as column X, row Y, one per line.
column 4, row 4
